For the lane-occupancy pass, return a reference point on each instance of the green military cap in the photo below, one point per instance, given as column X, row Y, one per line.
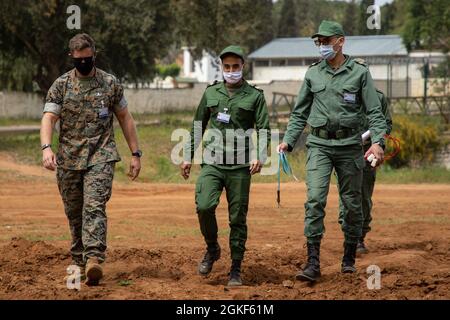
column 329, row 28
column 236, row 50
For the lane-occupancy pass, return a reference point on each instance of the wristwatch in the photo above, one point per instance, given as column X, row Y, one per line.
column 382, row 143
column 45, row 146
column 138, row 153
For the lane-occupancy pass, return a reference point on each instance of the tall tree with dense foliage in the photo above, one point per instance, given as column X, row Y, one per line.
column 212, row 25
column 130, row 34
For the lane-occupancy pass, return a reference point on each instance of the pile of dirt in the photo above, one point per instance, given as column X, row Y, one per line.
column 409, row 243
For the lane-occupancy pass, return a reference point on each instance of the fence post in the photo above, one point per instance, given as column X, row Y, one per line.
column 426, row 69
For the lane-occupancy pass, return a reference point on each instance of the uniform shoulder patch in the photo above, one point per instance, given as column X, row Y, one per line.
column 256, row 87
column 360, row 61
column 214, row 83
column 315, row 63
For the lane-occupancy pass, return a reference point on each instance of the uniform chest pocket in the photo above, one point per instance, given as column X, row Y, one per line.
column 318, row 88
column 71, row 108
column 350, row 94
column 213, row 106
column 100, row 105
column 245, row 113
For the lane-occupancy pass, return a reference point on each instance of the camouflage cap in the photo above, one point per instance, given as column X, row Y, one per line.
column 329, row 28
column 236, row 50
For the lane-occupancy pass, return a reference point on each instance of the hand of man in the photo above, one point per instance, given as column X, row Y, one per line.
column 282, row 147
column 49, row 159
column 377, row 151
column 185, row 169
column 135, row 168
column 255, row 167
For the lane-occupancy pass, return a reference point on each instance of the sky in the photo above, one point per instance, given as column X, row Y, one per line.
column 382, row 2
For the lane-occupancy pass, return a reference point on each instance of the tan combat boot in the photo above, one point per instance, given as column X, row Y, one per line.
column 94, row 272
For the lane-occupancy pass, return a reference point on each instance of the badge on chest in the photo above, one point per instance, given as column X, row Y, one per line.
column 349, row 97
column 104, row 111
column 224, row 117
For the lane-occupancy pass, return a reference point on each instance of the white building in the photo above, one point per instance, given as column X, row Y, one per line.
column 387, row 57
column 206, row 70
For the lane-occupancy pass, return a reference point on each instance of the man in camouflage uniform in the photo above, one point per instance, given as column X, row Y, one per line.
column 230, row 106
column 337, row 93
column 84, row 101
column 368, row 181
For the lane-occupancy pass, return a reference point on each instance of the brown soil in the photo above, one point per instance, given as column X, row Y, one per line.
column 155, row 245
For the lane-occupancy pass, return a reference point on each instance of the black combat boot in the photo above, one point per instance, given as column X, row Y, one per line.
column 235, row 273
column 348, row 261
column 361, row 247
column 212, row 254
column 312, row 270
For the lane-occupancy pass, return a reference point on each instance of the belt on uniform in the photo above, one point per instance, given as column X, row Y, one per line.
column 338, row 134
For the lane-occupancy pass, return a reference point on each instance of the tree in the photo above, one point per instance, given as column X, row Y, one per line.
column 129, row 36
column 287, row 25
column 350, row 20
column 427, row 25
column 212, row 25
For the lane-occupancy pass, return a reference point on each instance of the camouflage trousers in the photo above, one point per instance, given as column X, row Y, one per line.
column 85, row 194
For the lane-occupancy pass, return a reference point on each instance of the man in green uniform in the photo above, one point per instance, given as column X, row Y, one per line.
column 337, row 92
column 84, row 101
column 232, row 108
column 369, row 176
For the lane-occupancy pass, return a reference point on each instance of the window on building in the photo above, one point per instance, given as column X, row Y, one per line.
column 262, row 63
column 278, row 62
column 295, row 62
column 310, row 61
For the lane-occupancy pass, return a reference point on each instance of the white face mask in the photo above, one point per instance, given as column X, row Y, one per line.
column 327, row 51
column 232, row 77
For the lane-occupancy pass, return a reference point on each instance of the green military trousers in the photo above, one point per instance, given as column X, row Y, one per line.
column 208, row 189
column 85, row 194
column 348, row 162
column 368, row 184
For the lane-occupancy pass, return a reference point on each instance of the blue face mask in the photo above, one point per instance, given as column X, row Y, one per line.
column 232, row 77
column 327, row 52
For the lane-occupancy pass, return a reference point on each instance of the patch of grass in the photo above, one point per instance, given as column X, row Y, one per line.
column 4, row 122
column 428, row 174
column 125, row 283
column 26, row 147
column 157, row 166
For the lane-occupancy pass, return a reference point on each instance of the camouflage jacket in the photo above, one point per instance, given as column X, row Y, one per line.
column 85, row 108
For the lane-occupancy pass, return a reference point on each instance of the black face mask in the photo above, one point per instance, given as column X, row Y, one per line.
column 84, row 65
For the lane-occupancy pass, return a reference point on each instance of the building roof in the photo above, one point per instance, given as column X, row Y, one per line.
column 361, row 46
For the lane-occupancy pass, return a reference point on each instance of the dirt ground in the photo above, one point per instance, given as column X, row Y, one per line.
column 155, row 245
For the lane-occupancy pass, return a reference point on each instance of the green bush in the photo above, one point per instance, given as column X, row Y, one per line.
column 168, row 70
column 419, row 141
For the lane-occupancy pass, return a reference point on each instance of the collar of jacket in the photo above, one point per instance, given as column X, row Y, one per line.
column 348, row 64
column 244, row 88
column 94, row 83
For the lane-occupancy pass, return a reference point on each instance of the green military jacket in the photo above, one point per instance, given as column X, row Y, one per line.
column 334, row 100
column 85, row 108
column 386, row 113
column 247, row 110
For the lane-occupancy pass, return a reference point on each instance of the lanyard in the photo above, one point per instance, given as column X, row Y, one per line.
column 283, row 164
